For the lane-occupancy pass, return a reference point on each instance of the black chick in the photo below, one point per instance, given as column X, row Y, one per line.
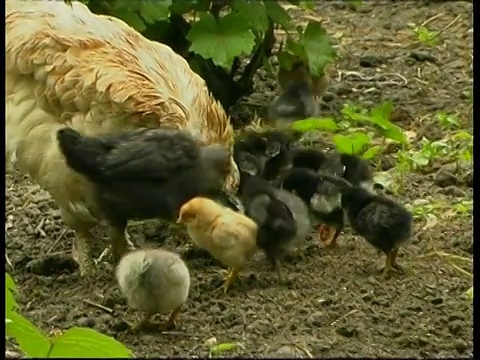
column 351, row 167
column 277, row 223
column 272, row 148
column 295, row 103
column 144, row 173
column 383, row 222
column 323, row 198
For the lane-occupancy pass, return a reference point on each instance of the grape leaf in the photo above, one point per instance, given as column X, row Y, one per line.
column 87, row 343
column 318, row 48
column 129, row 14
column 30, row 339
column 254, row 13
column 221, row 40
column 278, row 14
column 153, row 11
column 184, row 6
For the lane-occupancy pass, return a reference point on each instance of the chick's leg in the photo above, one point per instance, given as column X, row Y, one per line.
column 170, row 324
column 328, row 235
column 395, row 266
column 231, row 277
column 82, row 252
column 278, row 269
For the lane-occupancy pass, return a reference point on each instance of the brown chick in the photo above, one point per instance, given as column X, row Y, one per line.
column 227, row 235
column 154, row 281
column 300, row 72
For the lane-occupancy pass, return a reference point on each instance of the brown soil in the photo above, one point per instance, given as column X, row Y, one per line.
column 336, row 305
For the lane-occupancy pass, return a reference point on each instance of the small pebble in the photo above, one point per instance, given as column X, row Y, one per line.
column 346, row 331
column 420, row 55
column 86, row 322
column 369, row 61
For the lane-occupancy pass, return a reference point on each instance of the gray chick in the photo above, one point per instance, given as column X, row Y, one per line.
column 154, row 281
column 295, row 103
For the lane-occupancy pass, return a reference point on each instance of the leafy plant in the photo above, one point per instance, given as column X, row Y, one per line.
column 216, row 35
column 76, row 342
column 448, row 120
column 425, row 36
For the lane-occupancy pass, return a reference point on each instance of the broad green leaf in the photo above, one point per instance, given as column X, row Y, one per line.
column 295, row 47
column 87, row 343
column 372, row 152
column 31, row 340
column 254, row 13
column 221, row 40
column 278, row 14
column 153, row 11
column 419, row 159
column 314, row 124
column 131, row 18
column 351, row 144
column 318, row 48
column 184, row 6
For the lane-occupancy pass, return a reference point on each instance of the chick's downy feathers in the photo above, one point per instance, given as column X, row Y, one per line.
column 154, row 281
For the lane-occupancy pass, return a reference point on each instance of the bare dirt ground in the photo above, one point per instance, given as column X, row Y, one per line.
column 335, row 306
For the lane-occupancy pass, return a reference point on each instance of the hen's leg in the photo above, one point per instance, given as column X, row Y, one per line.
column 82, row 252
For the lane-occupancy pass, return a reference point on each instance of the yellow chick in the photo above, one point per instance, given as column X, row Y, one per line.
column 227, row 235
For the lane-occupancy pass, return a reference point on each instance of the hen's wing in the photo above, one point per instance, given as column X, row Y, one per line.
column 157, row 154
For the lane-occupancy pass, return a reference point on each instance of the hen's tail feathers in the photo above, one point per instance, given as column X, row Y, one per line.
column 82, row 154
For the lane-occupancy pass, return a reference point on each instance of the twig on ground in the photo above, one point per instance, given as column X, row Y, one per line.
column 56, row 241
column 7, row 260
column 98, row 306
column 431, row 19
column 343, row 317
column 39, row 228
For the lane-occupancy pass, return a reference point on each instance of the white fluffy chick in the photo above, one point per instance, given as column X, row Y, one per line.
column 154, row 281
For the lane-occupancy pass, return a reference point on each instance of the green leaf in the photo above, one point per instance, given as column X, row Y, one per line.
column 395, row 133
column 419, row 159
column 314, row 124
column 10, row 289
column 469, row 293
column 87, row 343
column 372, row 152
column 318, row 48
column 221, row 348
column 32, row 341
column 153, row 11
column 254, row 13
column 381, row 114
column 130, row 17
column 351, row 144
column 184, row 6
column 278, row 14
column 221, row 40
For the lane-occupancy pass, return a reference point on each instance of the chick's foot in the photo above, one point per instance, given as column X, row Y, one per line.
column 82, row 253
column 391, row 266
column 120, row 243
column 228, row 281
